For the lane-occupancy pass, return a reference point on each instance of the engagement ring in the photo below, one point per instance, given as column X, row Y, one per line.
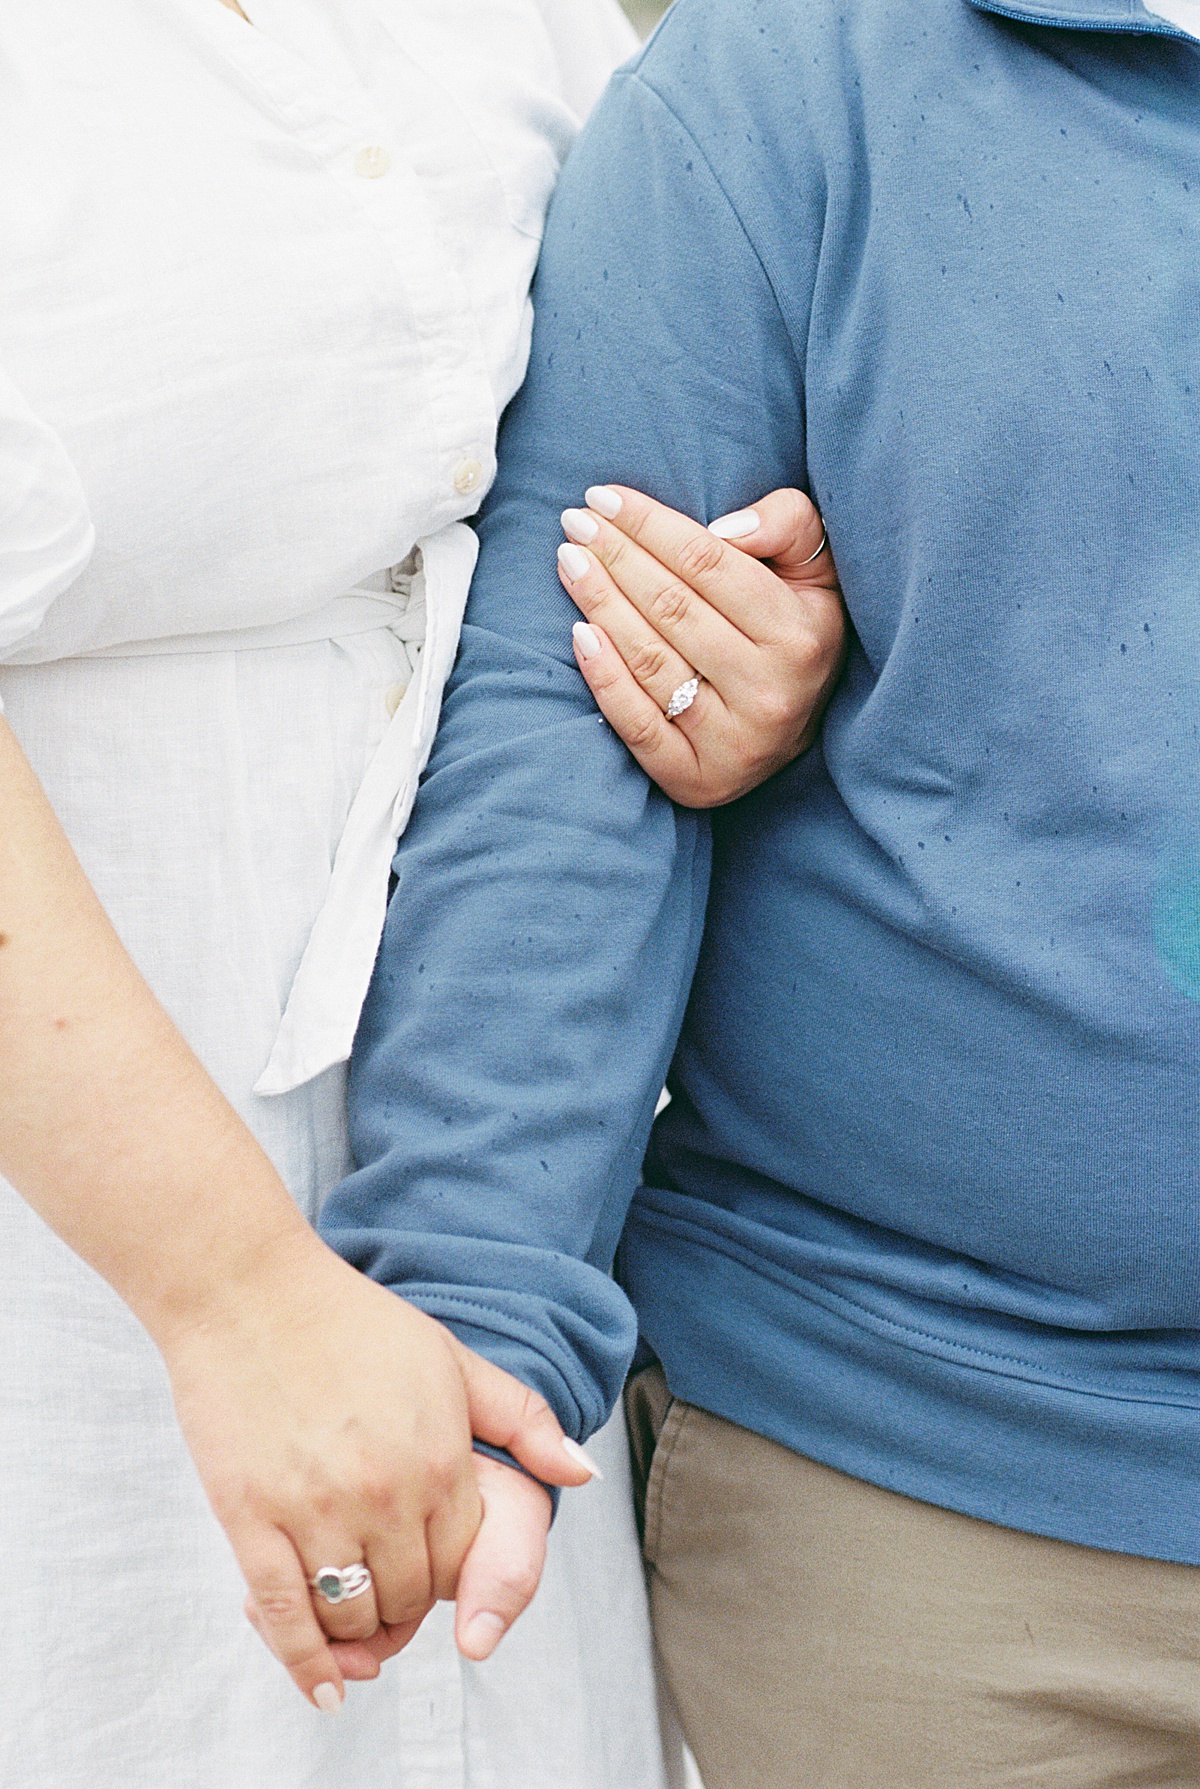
column 683, row 698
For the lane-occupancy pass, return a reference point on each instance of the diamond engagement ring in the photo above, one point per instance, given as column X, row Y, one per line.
column 335, row 1586
column 683, row 698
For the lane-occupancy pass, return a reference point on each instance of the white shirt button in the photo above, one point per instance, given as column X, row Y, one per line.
column 370, row 163
column 393, row 695
column 467, row 475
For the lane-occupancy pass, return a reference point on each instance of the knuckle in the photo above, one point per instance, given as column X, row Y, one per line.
column 537, row 1414
column 648, row 660
column 809, row 655
column 301, row 1654
column 403, row 1621
column 404, row 1590
column 699, row 556
column 603, row 681
column 358, row 1624
column 324, row 1502
column 636, row 515
column 800, row 510
column 282, row 1608
column 776, row 710
column 673, row 603
column 443, row 1470
column 378, row 1490
column 641, row 733
column 587, row 594
column 534, row 1407
column 515, row 1583
column 617, row 554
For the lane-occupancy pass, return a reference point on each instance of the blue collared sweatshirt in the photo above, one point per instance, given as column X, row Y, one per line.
column 925, row 1205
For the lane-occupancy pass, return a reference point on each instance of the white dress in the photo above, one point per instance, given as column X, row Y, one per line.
column 263, row 294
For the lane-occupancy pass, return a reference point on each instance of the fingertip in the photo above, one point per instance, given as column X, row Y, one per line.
column 739, row 524
column 606, row 500
column 573, row 562
column 480, row 1634
column 581, row 1457
column 587, row 641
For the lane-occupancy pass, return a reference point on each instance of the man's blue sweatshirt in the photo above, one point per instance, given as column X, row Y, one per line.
column 926, row 1203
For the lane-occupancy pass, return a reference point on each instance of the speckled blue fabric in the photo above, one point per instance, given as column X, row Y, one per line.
column 926, row 1204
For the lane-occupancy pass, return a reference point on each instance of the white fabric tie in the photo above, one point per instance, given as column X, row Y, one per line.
column 327, row 995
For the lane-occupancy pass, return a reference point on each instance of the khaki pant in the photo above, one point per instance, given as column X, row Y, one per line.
column 819, row 1633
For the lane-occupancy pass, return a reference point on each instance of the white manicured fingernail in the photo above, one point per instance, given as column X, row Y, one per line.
column 483, row 1632
column 580, row 1456
column 328, row 1698
column 587, row 640
column 735, row 525
column 578, row 525
column 604, row 500
column 574, row 561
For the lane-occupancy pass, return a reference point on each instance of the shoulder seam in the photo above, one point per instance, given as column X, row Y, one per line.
column 635, row 75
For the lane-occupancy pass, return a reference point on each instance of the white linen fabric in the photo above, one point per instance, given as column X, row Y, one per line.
column 264, row 293
column 1185, row 14
column 46, row 533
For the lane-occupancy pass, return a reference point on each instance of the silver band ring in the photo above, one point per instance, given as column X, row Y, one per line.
column 338, row 1586
column 820, row 549
column 682, row 699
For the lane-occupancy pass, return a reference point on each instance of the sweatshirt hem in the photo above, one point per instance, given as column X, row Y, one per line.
column 837, row 1384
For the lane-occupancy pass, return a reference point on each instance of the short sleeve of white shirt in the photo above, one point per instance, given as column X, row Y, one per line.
column 46, row 535
column 590, row 38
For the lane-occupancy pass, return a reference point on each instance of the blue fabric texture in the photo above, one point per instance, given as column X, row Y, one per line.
column 926, row 1203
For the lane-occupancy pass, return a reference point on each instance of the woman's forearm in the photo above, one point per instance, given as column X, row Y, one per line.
column 109, row 1126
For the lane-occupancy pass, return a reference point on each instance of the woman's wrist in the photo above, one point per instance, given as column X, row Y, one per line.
column 237, row 1255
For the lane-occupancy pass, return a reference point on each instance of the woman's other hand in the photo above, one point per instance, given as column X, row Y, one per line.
column 751, row 604
column 499, row 1575
column 331, row 1423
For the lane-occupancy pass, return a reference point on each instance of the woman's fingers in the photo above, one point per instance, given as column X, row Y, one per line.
column 658, row 666
column 751, row 605
column 280, row 1608
column 360, row 1660
column 508, row 1414
column 661, row 747
column 683, row 577
column 673, row 601
column 502, row 1571
column 785, row 527
column 329, row 1416
column 353, row 1617
column 450, row 1530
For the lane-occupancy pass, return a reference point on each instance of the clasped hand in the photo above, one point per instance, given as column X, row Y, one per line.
column 330, row 1421
column 751, row 603
column 331, row 1424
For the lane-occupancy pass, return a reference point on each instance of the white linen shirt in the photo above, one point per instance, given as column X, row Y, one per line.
column 264, row 293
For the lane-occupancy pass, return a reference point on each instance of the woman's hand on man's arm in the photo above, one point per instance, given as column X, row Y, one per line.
column 666, row 599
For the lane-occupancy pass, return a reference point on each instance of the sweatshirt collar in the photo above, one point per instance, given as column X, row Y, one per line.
column 1084, row 15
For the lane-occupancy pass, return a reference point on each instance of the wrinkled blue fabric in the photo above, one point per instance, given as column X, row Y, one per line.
column 926, row 1203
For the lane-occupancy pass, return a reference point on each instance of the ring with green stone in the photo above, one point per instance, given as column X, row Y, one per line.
column 337, row 1585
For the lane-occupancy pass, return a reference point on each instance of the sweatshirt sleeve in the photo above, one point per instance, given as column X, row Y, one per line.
column 549, row 900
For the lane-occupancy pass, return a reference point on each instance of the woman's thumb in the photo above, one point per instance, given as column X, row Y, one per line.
column 784, row 526
column 507, row 1414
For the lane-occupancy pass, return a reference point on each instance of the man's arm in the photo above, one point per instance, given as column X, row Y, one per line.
column 550, row 900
